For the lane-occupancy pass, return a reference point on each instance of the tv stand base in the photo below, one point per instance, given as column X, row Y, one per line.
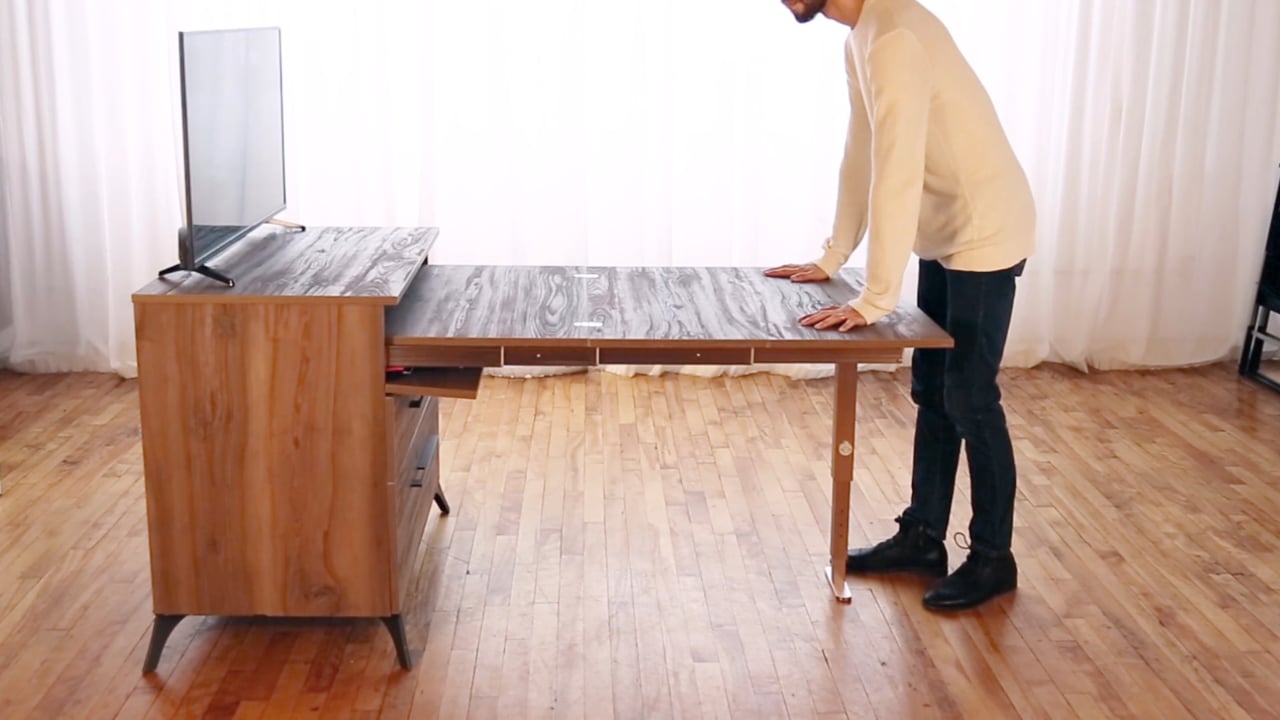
column 287, row 224
column 204, row 270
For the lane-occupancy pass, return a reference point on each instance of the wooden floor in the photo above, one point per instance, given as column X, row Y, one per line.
column 653, row 548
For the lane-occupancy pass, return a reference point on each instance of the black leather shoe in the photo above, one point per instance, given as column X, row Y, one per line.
column 978, row 579
column 911, row 550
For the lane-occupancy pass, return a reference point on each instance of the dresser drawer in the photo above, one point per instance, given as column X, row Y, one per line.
column 411, row 423
column 411, row 500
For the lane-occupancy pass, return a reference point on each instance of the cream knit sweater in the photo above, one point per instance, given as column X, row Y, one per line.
column 927, row 166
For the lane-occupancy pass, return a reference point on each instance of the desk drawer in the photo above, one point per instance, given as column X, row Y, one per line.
column 443, row 356
column 550, row 355
column 833, row 355
column 674, row 356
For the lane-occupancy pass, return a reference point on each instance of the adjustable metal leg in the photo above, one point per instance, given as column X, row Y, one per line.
column 160, row 631
column 395, row 625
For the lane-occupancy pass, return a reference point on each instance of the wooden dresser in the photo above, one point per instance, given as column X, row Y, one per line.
column 284, row 476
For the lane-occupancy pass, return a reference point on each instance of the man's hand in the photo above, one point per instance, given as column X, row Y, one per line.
column 798, row 273
column 828, row 317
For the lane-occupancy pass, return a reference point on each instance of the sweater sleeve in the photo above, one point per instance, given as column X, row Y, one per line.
column 898, row 95
column 855, row 170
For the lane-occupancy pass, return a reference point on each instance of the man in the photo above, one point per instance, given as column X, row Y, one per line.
column 927, row 168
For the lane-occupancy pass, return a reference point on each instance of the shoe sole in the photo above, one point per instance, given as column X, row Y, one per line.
column 955, row 607
column 928, row 572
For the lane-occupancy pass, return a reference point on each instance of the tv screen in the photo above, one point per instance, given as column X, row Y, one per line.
column 233, row 133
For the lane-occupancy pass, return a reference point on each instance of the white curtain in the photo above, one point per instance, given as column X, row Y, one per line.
column 647, row 133
column 89, row 174
column 1151, row 133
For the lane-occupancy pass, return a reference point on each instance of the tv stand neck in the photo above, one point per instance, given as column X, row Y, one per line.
column 204, row 270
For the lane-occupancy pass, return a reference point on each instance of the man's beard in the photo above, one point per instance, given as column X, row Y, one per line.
column 811, row 10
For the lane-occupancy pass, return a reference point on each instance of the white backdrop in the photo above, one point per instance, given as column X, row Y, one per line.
column 656, row 133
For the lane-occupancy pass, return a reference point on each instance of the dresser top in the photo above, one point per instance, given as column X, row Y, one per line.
column 370, row 264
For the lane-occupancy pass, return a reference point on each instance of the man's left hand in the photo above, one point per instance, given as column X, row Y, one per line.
column 843, row 316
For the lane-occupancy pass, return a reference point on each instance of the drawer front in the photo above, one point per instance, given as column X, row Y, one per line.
column 674, row 356
column 443, row 356
column 792, row 355
column 550, row 355
column 404, row 417
column 412, row 500
column 412, row 422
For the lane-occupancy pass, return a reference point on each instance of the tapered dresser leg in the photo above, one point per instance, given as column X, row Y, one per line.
column 441, row 502
column 395, row 625
column 160, row 631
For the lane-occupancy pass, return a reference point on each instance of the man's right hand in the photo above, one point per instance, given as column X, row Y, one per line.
column 807, row 272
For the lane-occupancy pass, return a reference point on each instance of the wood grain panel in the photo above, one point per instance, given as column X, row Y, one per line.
column 731, row 307
column 265, row 446
column 368, row 264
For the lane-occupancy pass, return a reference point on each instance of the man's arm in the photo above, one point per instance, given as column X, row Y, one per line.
column 898, row 100
column 855, row 172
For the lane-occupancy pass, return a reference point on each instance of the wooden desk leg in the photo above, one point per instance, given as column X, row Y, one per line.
column 845, row 410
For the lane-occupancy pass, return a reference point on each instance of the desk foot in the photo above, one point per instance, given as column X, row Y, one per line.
column 160, row 631
column 395, row 626
column 842, row 591
column 441, row 502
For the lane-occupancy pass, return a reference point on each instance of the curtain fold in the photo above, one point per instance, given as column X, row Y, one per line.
column 647, row 133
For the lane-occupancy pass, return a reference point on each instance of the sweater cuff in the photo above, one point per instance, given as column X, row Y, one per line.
column 831, row 261
column 869, row 311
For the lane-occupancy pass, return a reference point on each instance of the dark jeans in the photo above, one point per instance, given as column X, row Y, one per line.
column 958, row 398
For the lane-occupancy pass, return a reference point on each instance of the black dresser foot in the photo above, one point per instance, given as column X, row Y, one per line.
column 160, row 631
column 441, row 502
column 395, row 625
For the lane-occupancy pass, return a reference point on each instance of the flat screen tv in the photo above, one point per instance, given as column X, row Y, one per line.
column 233, row 140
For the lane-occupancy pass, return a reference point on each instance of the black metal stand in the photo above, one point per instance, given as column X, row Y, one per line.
column 287, row 224
column 395, row 626
column 204, row 270
column 160, row 631
column 1258, row 335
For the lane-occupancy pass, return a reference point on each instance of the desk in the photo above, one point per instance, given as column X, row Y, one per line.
column 490, row 316
column 289, row 474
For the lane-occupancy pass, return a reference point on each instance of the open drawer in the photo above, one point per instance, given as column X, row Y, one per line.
column 451, row 382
